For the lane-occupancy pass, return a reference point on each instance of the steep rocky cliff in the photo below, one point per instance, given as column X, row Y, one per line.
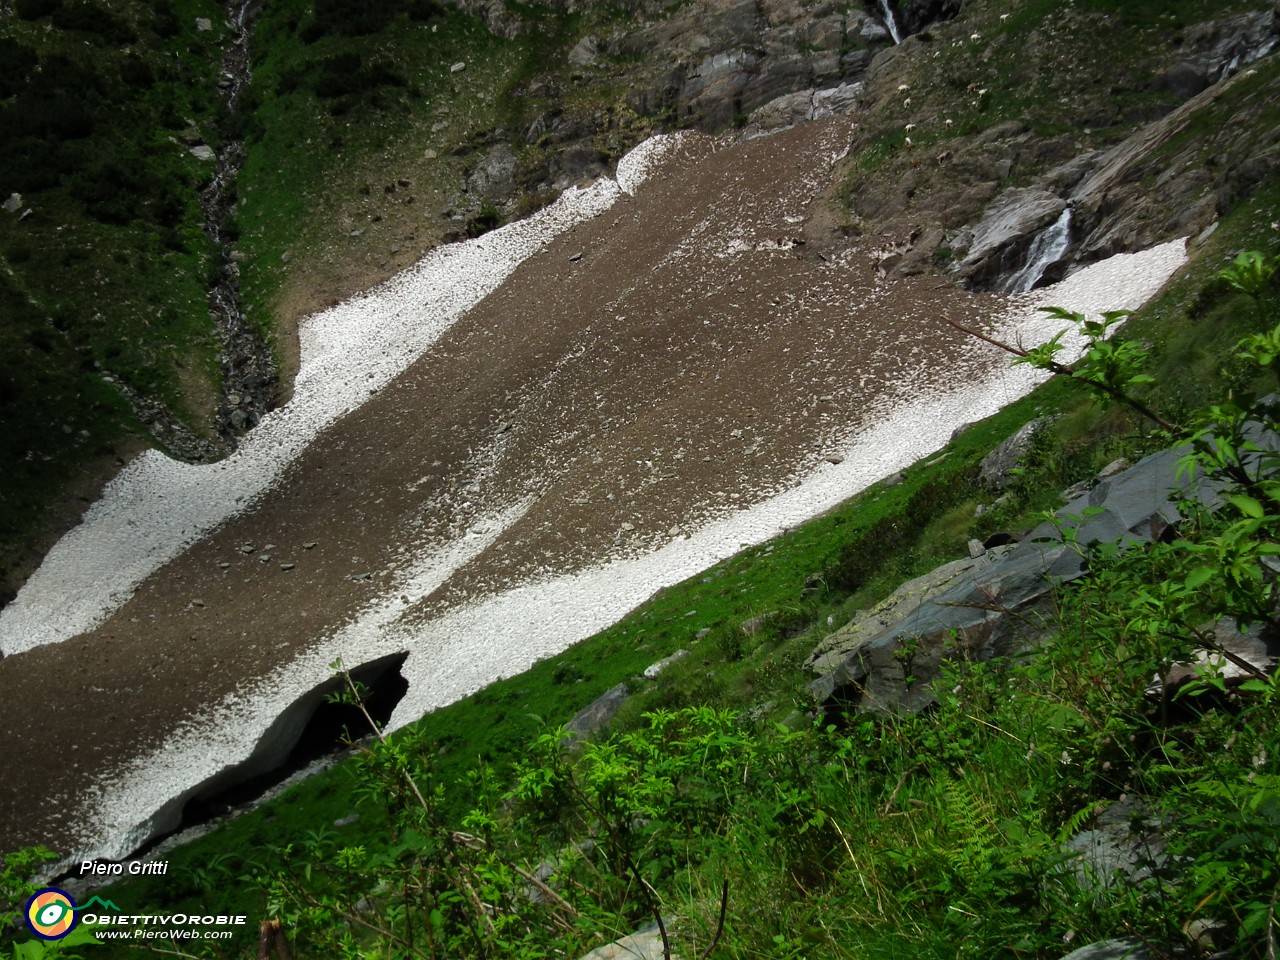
column 370, row 139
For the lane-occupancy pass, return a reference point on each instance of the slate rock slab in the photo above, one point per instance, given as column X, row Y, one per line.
column 1000, row 604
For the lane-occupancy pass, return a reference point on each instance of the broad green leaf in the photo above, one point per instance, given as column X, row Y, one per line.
column 1246, row 505
column 1199, row 577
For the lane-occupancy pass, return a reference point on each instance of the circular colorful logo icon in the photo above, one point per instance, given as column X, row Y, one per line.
column 51, row 913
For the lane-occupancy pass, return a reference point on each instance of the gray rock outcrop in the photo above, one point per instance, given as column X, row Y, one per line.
column 1128, row 948
column 732, row 58
column 652, row 671
column 1214, row 51
column 644, row 944
column 995, row 472
column 599, row 712
column 1006, row 231
column 794, row 108
column 996, row 605
column 494, row 176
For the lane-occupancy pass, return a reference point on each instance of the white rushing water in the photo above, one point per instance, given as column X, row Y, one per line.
column 1047, row 249
column 891, row 21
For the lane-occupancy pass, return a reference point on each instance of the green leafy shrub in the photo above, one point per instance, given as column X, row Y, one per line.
column 86, row 17
column 35, row 9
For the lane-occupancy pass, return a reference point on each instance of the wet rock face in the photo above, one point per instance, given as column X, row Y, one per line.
column 915, row 15
column 250, row 381
column 716, row 64
column 1214, row 51
column 999, row 241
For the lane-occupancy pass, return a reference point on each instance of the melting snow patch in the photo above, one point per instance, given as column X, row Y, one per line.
column 156, row 507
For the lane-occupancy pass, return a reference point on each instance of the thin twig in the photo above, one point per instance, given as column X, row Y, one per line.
column 478, row 904
column 472, row 842
column 1007, row 348
column 356, row 918
column 1271, row 925
column 902, row 782
column 533, row 878
column 996, row 729
column 854, row 860
column 650, row 897
column 382, row 738
column 1064, row 371
column 724, row 908
column 1211, row 644
column 988, row 608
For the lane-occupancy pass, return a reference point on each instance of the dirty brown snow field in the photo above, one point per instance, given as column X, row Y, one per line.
column 661, row 374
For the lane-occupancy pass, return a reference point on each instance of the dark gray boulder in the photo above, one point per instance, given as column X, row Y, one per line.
column 599, row 712
column 1001, row 603
column 1126, row 948
column 1125, row 846
column 494, row 176
column 995, row 472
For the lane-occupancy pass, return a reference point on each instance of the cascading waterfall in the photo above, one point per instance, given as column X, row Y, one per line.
column 249, row 377
column 1047, row 249
column 891, row 21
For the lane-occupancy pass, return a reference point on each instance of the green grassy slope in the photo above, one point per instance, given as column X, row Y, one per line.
column 809, row 578
column 106, row 275
column 812, row 580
